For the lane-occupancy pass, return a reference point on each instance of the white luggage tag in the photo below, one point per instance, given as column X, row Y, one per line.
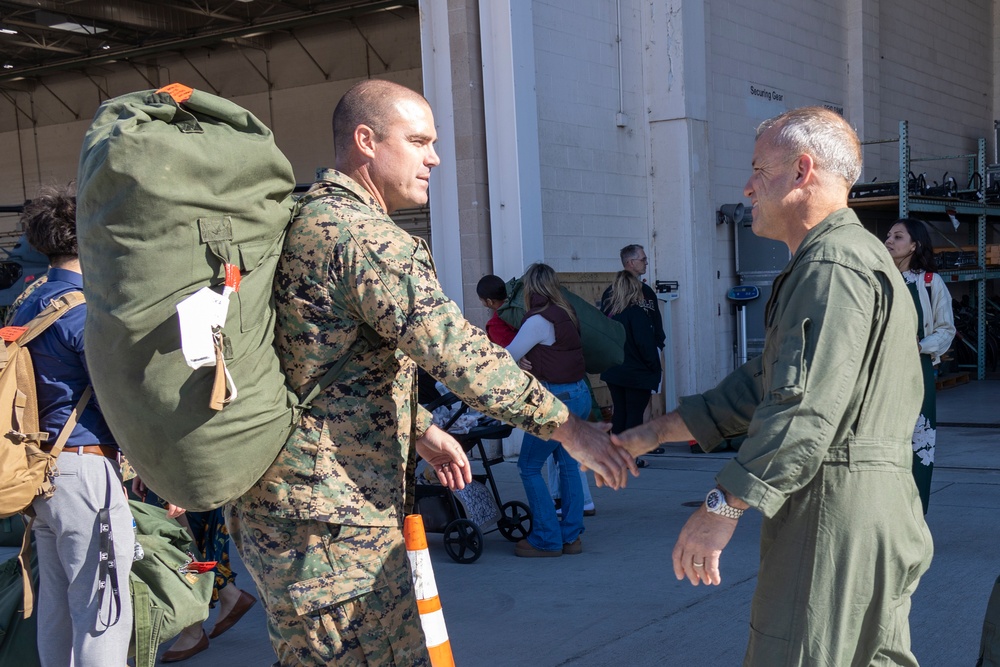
column 202, row 317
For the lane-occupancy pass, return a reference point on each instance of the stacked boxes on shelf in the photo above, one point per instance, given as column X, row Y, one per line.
column 992, row 254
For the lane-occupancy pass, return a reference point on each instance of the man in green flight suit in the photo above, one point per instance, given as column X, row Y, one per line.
column 827, row 410
column 321, row 531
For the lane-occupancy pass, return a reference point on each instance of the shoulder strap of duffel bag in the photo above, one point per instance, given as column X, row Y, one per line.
column 145, row 629
column 366, row 340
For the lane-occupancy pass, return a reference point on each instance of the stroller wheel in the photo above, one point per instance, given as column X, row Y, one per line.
column 463, row 541
column 515, row 524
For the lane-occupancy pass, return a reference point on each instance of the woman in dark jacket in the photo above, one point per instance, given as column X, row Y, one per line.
column 638, row 376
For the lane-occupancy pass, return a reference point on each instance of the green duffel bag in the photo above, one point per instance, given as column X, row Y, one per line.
column 166, row 598
column 603, row 338
column 173, row 186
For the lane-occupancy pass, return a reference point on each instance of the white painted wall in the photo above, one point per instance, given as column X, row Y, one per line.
column 686, row 76
column 937, row 73
column 593, row 173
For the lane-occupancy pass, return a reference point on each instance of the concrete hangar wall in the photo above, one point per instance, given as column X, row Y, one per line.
column 691, row 83
column 599, row 123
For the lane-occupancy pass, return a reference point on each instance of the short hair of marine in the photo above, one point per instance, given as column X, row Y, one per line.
column 371, row 102
column 630, row 252
column 626, row 290
column 541, row 279
column 820, row 133
column 49, row 221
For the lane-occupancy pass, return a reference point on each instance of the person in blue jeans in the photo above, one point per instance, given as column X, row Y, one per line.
column 548, row 345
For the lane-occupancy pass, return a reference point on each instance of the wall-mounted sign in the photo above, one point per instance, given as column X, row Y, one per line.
column 838, row 108
column 764, row 101
column 766, row 93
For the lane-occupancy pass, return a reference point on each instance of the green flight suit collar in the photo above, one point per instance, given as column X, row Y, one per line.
column 838, row 219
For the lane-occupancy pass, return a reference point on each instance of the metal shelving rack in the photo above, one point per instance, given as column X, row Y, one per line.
column 909, row 203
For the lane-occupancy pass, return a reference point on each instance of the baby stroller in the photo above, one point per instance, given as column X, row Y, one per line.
column 464, row 516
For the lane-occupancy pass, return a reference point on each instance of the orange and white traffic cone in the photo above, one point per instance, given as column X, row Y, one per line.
column 428, row 602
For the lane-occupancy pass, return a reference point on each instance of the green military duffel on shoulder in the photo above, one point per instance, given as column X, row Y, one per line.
column 173, row 186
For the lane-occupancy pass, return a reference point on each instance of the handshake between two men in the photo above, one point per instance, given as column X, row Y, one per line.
column 611, row 458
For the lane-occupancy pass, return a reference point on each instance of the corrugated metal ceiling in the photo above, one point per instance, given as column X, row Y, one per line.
column 41, row 37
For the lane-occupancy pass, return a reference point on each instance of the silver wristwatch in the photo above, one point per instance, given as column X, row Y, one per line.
column 715, row 503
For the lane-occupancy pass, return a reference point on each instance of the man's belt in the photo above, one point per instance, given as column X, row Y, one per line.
column 109, row 451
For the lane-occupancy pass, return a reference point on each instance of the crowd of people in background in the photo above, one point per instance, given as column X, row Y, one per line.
column 834, row 575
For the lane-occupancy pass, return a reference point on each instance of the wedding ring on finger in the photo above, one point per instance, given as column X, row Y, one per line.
column 701, row 564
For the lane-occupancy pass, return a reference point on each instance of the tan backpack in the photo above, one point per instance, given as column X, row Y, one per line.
column 26, row 471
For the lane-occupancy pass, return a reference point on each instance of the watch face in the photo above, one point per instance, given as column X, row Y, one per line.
column 714, row 499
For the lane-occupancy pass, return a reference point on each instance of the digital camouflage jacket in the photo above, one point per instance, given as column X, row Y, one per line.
column 347, row 270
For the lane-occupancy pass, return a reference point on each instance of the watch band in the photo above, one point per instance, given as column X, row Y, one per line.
column 715, row 502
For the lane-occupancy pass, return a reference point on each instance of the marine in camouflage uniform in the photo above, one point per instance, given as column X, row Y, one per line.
column 357, row 296
column 320, row 532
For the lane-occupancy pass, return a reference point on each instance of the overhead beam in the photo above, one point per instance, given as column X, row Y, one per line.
column 201, row 74
column 205, row 39
column 33, row 44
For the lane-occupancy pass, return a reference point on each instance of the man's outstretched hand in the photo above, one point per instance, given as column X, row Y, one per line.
column 590, row 445
column 646, row 437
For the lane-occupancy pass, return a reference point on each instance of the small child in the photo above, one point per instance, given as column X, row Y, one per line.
column 493, row 293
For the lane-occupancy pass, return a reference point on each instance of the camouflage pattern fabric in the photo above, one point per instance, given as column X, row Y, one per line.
column 334, row 595
column 347, row 269
column 21, row 297
column 346, row 265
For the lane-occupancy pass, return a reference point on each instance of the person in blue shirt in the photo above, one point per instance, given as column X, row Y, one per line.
column 84, row 607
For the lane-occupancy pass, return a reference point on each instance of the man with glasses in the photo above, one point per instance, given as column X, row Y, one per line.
column 634, row 261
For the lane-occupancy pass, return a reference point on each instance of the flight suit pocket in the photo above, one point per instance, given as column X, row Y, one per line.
column 788, row 370
column 767, row 645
